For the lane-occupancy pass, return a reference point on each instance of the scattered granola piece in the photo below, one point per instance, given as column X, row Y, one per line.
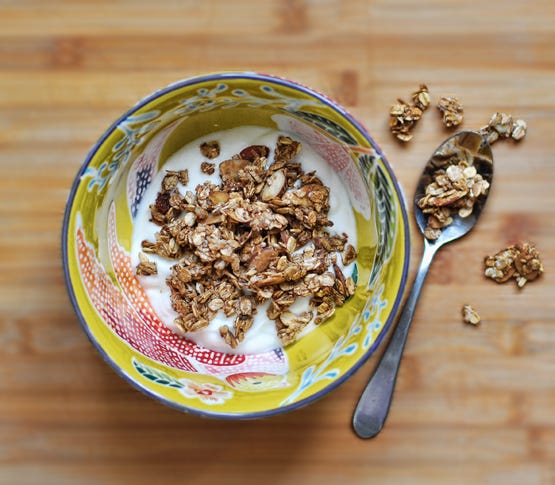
column 421, row 98
column 451, row 110
column 207, row 168
column 210, row 149
column 470, row 315
column 521, row 261
column 403, row 119
column 519, row 130
column 404, row 116
column 145, row 266
column 502, row 125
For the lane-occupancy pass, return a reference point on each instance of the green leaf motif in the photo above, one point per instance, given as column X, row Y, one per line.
column 155, row 375
column 354, row 274
column 328, row 126
column 387, row 221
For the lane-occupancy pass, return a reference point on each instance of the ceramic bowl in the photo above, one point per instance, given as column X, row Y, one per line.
column 111, row 305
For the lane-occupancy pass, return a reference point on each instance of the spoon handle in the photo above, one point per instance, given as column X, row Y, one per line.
column 373, row 406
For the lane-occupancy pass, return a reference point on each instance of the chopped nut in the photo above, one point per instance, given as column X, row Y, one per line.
column 275, row 183
column 254, row 152
column 207, row 168
column 218, row 197
column 210, row 149
column 451, row 110
column 229, row 169
column 470, row 315
column 262, row 259
column 520, row 261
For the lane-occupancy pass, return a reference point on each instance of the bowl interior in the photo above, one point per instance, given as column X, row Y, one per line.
column 110, row 301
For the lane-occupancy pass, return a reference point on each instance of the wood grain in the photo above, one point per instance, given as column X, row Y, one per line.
column 473, row 405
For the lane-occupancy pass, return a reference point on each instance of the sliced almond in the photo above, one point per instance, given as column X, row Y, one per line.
column 273, row 186
column 229, row 168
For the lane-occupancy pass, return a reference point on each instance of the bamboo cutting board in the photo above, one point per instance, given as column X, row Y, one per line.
column 473, row 405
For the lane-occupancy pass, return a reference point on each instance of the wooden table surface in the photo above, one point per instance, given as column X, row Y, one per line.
column 473, row 405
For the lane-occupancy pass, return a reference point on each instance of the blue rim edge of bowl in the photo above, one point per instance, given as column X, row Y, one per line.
column 133, row 382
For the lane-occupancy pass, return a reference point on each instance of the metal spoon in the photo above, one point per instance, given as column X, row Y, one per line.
column 373, row 406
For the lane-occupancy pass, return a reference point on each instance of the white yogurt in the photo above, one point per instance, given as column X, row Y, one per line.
column 262, row 336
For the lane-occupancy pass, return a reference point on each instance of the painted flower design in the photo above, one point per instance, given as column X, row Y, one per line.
column 207, row 393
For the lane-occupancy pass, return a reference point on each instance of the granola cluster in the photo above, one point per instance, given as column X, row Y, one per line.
column 455, row 187
column 521, row 262
column 470, row 315
column 503, row 126
column 245, row 242
column 404, row 116
column 451, row 110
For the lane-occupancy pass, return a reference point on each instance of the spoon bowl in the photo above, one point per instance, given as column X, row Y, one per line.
column 478, row 152
column 471, row 147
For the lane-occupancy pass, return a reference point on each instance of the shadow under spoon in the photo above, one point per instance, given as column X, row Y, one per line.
column 372, row 409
